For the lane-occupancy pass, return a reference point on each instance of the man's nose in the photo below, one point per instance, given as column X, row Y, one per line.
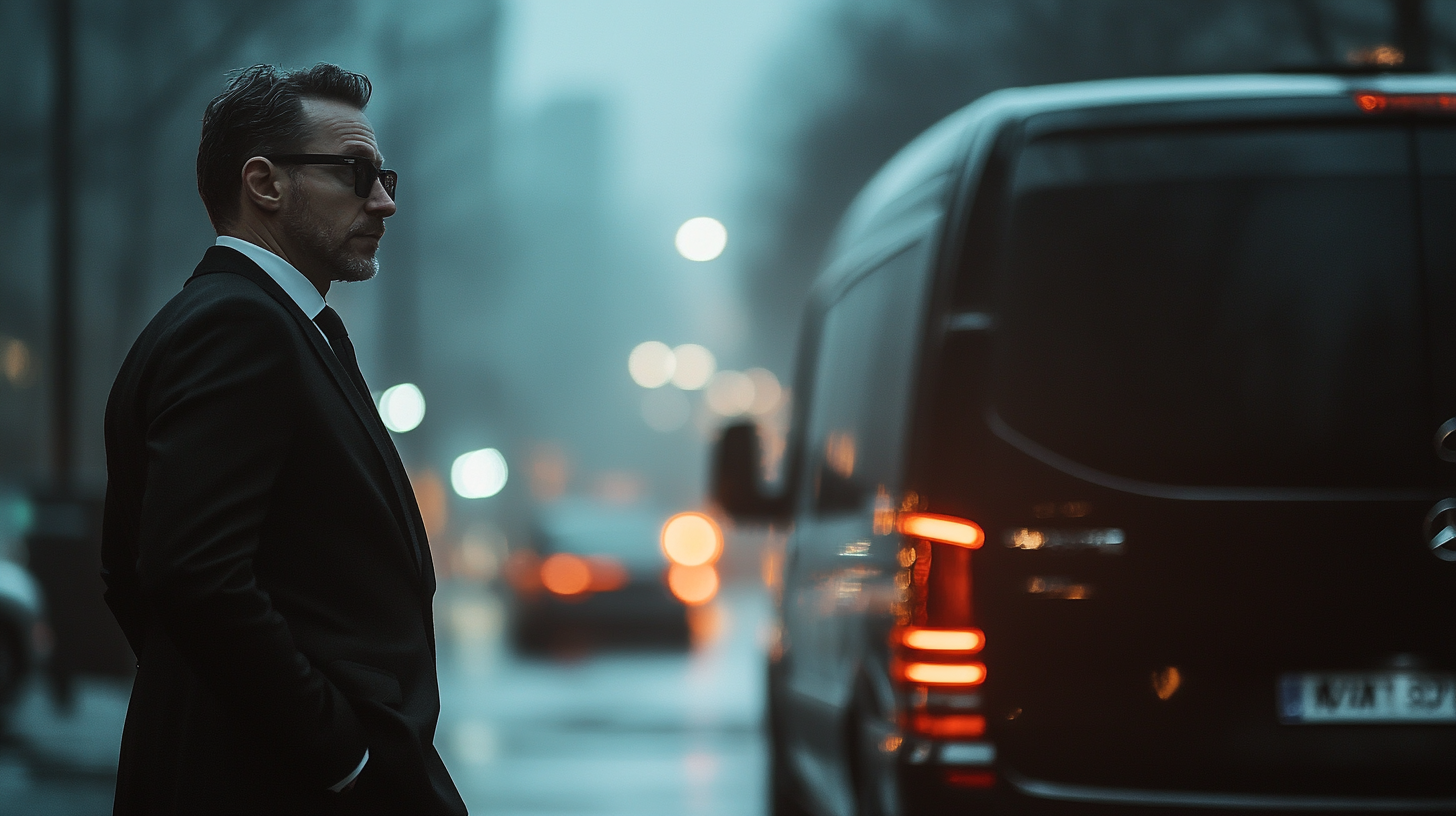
column 379, row 203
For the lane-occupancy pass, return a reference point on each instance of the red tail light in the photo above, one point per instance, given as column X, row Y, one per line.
column 981, row 780
column 936, row 615
column 949, row 726
column 937, row 637
column 943, row 529
column 569, row 575
column 942, row 640
column 566, row 574
column 1377, row 102
column 944, row 674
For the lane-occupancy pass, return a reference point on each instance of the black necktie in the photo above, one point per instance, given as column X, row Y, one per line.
column 333, row 327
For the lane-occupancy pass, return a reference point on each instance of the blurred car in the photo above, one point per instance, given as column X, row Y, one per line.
column 24, row 636
column 1123, row 466
column 594, row 573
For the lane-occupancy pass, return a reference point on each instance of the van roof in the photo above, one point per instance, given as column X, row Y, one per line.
column 937, row 151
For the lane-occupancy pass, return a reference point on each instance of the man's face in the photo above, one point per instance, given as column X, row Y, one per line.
column 332, row 228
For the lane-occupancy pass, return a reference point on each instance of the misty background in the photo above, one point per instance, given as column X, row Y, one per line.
column 548, row 151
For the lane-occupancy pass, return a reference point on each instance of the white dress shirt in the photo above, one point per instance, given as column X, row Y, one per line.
column 284, row 274
column 311, row 302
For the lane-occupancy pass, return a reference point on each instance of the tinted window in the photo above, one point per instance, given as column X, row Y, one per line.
column 862, row 383
column 1232, row 307
column 586, row 530
column 1437, row 164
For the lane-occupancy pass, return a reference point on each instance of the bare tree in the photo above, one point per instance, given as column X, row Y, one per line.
column 169, row 66
column 904, row 64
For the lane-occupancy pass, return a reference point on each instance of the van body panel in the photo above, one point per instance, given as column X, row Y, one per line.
column 1279, row 530
column 838, row 565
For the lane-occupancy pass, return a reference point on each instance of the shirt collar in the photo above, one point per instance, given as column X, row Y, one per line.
column 282, row 272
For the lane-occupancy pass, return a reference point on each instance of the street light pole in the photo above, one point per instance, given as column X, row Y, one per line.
column 63, row 546
column 62, row 272
column 1413, row 32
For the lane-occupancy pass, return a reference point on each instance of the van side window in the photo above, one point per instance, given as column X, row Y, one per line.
column 862, row 383
column 984, row 227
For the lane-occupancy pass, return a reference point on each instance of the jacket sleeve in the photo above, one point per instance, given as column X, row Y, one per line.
column 220, row 416
column 117, row 572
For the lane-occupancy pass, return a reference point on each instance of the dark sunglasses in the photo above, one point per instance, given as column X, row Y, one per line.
column 364, row 170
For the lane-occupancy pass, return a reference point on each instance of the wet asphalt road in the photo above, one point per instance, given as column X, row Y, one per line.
column 639, row 731
column 608, row 732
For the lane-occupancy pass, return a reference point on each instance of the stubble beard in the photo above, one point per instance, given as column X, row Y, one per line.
column 324, row 249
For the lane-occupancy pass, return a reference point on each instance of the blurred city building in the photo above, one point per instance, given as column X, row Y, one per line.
column 538, row 245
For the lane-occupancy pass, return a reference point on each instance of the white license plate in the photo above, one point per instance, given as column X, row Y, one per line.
column 1367, row 697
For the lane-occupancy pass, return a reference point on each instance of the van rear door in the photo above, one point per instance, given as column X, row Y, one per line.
column 1205, row 457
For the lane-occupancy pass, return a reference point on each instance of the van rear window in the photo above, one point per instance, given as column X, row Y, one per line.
column 1233, row 307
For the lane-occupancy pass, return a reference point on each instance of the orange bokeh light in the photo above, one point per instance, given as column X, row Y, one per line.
column 692, row 540
column 693, row 585
column 944, row 640
column 607, row 574
column 566, row 574
column 945, row 674
column 943, row 529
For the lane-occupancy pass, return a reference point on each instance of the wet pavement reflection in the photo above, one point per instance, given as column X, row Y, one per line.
column 606, row 731
column 62, row 761
column 639, row 731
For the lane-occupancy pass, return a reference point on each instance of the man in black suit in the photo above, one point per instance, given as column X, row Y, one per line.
column 263, row 550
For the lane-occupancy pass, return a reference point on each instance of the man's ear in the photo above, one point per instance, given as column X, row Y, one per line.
column 264, row 184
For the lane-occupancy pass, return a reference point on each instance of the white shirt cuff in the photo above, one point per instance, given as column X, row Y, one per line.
column 344, row 783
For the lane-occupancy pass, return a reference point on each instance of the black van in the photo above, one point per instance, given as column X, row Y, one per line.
column 1122, row 473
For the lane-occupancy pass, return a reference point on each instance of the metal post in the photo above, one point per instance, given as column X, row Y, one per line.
column 1413, row 33
column 62, row 307
column 63, row 545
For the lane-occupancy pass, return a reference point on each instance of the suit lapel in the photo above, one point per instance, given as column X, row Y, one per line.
column 223, row 259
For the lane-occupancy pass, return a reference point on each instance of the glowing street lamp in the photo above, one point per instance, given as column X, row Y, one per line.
column 692, row 539
column 402, row 407
column 701, row 239
column 651, row 364
column 694, row 366
column 479, row 474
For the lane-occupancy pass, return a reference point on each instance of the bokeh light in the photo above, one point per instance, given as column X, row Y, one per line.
column 730, row 393
column 767, row 393
column 692, row 585
column 565, row 574
column 402, row 407
column 15, row 361
column 479, row 474
column 695, row 366
column 651, row 364
column 701, row 239
column 692, row 539
column 665, row 410
column 607, row 574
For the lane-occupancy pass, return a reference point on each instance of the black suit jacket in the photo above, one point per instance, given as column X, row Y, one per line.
column 265, row 556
